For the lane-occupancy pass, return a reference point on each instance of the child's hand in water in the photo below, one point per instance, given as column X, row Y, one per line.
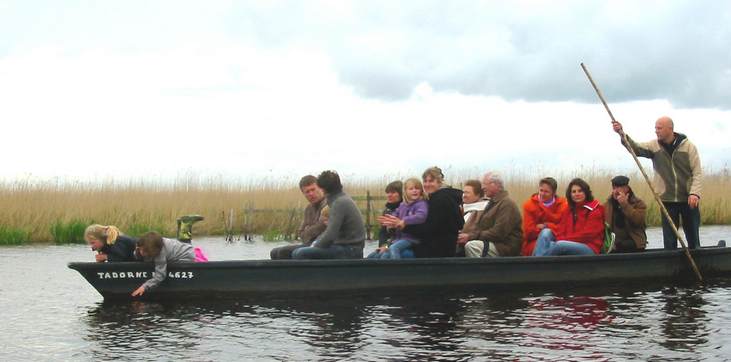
column 139, row 291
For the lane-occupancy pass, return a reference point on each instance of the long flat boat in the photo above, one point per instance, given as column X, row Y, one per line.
column 247, row 278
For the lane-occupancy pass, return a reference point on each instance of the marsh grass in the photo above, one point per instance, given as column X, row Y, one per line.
column 68, row 232
column 12, row 236
column 42, row 212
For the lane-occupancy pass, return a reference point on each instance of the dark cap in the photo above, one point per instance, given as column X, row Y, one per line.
column 620, row 181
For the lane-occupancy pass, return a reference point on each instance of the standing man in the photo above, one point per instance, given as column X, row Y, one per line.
column 344, row 236
column 625, row 214
column 498, row 231
column 311, row 225
column 678, row 178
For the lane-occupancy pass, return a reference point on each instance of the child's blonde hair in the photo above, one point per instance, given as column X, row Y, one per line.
column 107, row 234
column 417, row 183
column 325, row 212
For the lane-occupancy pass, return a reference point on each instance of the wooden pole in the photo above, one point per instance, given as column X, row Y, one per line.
column 647, row 179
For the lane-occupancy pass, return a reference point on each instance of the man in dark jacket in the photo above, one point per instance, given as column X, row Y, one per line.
column 344, row 236
column 499, row 230
column 311, row 225
column 625, row 214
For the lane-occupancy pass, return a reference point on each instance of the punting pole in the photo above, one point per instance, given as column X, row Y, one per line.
column 647, row 179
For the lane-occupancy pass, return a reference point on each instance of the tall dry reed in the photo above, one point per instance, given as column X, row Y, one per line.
column 32, row 210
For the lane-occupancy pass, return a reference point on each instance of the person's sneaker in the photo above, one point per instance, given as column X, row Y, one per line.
column 185, row 226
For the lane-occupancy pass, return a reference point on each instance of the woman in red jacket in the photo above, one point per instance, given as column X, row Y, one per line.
column 581, row 229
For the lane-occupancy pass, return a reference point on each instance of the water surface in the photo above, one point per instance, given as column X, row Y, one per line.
column 51, row 313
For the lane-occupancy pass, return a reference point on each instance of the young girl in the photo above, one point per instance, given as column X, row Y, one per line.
column 153, row 247
column 413, row 210
column 109, row 243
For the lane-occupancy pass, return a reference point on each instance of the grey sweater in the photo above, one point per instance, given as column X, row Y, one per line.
column 172, row 251
column 344, row 225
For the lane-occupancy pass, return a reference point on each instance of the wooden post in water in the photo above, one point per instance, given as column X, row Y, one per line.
column 647, row 179
column 368, row 215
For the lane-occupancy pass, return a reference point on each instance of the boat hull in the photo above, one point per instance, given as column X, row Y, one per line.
column 365, row 276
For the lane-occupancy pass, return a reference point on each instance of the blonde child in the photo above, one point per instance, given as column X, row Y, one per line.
column 109, row 243
column 413, row 210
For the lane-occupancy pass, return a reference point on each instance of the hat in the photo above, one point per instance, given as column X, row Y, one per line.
column 620, row 181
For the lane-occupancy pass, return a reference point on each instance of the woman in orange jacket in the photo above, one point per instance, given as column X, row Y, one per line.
column 541, row 211
column 581, row 230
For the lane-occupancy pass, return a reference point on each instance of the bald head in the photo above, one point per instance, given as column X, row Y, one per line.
column 664, row 129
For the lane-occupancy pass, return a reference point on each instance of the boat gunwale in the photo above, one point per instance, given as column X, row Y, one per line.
column 263, row 263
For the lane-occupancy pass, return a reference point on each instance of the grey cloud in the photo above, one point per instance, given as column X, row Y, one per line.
column 519, row 50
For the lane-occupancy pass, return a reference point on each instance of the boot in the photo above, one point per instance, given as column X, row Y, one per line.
column 185, row 227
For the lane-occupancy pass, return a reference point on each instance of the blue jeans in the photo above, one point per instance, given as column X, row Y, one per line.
column 691, row 222
column 547, row 245
column 399, row 249
column 374, row 255
column 333, row 251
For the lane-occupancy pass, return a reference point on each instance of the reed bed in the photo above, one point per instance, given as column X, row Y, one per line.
column 58, row 212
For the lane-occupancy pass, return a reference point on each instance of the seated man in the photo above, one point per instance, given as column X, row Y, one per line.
column 542, row 210
column 625, row 214
column 344, row 236
column 498, row 231
column 311, row 225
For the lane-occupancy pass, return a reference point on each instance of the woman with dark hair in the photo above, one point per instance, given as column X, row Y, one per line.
column 394, row 197
column 439, row 232
column 581, row 229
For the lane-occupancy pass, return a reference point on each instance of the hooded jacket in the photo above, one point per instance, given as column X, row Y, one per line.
column 411, row 214
column 439, row 232
column 586, row 228
column 534, row 213
column 677, row 167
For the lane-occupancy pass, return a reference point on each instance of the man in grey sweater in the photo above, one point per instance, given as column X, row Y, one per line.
column 344, row 237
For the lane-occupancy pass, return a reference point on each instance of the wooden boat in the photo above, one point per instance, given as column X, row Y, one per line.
column 306, row 277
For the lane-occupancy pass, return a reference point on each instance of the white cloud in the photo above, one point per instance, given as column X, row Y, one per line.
column 288, row 99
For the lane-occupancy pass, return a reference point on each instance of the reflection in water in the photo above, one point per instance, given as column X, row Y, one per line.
column 129, row 329
column 685, row 325
column 406, row 328
column 638, row 321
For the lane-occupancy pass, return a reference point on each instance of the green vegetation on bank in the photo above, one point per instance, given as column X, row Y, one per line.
column 13, row 236
column 69, row 232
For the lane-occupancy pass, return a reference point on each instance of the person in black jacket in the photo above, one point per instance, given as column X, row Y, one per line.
column 110, row 244
column 439, row 232
column 394, row 196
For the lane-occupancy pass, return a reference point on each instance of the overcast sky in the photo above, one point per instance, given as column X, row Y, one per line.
column 251, row 90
